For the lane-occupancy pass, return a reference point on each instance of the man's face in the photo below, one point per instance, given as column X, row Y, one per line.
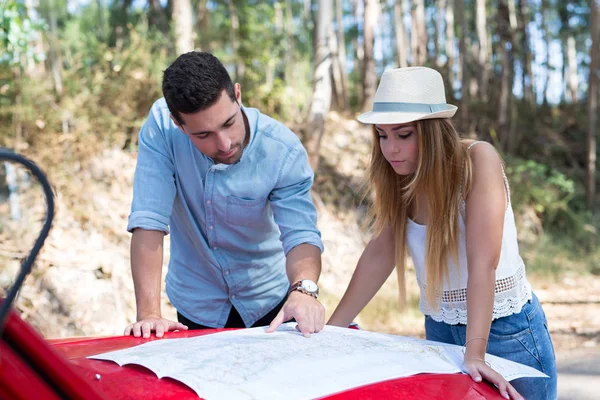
column 219, row 131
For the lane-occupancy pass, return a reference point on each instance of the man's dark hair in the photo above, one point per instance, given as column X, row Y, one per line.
column 194, row 82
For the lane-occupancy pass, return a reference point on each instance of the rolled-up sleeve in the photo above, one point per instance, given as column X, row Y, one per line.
column 291, row 202
column 154, row 181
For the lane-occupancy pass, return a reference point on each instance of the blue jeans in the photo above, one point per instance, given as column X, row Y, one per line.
column 522, row 337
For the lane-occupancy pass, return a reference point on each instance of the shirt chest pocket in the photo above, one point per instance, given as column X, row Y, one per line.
column 245, row 211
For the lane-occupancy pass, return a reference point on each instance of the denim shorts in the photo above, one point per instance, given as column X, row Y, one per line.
column 522, row 337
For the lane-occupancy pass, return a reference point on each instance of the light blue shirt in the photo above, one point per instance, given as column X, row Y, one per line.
column 231, row 225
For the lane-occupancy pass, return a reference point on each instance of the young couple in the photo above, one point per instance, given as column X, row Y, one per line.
column 232, row 186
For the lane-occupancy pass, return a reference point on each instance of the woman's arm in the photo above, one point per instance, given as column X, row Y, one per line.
column 485, row 208
column 374, row 266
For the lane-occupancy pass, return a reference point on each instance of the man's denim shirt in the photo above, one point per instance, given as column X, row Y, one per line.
column 231, row 225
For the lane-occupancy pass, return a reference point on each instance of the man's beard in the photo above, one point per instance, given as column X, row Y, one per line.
column 237, row 156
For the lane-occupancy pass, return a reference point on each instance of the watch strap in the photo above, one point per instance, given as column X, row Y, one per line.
column 298, row 287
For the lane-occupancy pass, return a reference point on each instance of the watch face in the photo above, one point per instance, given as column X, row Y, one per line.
column 309, row 285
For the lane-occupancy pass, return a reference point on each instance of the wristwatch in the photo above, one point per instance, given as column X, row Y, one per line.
column 306, row 286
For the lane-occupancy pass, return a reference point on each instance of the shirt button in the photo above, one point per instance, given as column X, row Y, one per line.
column 232, row 296
column 211, row 227
column 214, row 247
column 207, row 201
column 227, row 272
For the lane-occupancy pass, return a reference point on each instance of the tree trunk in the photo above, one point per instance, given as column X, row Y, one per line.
column 435, row 22
column 592, row 110
column 506, row 106
column 234, row 29
column 527, row 59
column 564, row 69
column 307, row 10
column 414, row 35
column 55, row 60
column 321, row 99
column 565, row 30
column 289, row 53
column 278, row 17
column 101, row 20
column 358, row 51
column 369, row 77
column 512, row 15
column 157, row 16
column 118, row 22
column 182, row 23
column 482, row 56
column 465, row 77
column 288, row 68
column 388, row 36
column 505, row 90
column 573, row 81
column 546, row 39
column 473, row 55
column 32, row 68
column 401, row 42
column 421, row 32
column 341, row 81
column 439, row 32
column 450, row 43
column 54, row 52
column 203, row 26
column 339, row 99
column 418, row 34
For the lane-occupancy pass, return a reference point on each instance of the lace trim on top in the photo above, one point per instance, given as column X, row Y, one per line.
column 511, row 294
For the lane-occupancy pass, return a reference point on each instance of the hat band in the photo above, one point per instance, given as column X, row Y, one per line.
column 409, row 107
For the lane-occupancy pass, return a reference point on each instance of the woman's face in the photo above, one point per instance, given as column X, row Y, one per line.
column 398, row 143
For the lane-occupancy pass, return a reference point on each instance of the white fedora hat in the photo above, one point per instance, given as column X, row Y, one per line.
column 409, row 94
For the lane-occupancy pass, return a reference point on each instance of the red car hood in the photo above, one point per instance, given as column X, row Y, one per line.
column 64, row 368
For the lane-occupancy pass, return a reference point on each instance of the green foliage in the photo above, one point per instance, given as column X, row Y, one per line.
column 263, row 47
column 553, row 197
column 554, row 254
column 546, row 190
column 18, row 38
column 110, row 90
column 17, row 32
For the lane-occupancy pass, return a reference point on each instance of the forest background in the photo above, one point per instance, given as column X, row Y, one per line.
column 77, row 79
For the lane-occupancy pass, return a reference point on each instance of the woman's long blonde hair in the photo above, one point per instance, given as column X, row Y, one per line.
column 442, row 163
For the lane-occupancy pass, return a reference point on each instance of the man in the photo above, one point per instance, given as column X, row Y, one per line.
column 233, row 187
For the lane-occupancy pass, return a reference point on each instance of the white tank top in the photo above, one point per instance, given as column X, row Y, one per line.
column 512, row 288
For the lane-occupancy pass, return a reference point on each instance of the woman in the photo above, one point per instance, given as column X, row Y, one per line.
column 446, row 202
